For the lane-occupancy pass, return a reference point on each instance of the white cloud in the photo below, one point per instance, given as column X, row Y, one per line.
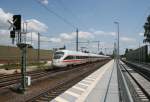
column 127, row 39
column 4, row 32
column 99, row 32
column 64, row 37
column 55, row 40
column 36, row 26
column 3, row 19
column 34, row 37
column 141, row 34
column 85, row 35
column 45, row 2
column 4, row 38
column 33, row 24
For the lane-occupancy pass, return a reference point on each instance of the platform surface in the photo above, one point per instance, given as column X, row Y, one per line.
column 141, row 65
column 100, row 86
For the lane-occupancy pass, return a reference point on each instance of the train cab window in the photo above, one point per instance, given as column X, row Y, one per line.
column 69, row 57
column 58, row 55
column 77, row 57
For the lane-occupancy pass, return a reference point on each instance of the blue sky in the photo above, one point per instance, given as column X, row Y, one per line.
column 94, row 18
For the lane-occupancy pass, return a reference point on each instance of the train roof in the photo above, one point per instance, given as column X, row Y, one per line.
column 80, row 53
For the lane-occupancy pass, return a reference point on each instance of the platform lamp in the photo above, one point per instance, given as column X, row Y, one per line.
column 118, row 57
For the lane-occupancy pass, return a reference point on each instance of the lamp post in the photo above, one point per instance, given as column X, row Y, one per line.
column 117, row 23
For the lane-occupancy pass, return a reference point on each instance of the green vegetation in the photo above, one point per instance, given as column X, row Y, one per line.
column 147, row 30
column 10, row 54
column 18, row 66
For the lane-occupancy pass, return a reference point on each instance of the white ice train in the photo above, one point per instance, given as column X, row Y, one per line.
column 63, row 58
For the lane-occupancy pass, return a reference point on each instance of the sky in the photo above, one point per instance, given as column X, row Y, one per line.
column 57, row 20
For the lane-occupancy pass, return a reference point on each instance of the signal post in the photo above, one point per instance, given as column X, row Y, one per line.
column 16, row 25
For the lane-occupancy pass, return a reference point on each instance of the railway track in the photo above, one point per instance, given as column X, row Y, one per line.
column 52, row 84
column 141, row 69
column 79, row 74
column 13, row 79
column 9, row 80
column 139, row 86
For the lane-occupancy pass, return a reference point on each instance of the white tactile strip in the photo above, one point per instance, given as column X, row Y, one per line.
column 145, row 83
column 80, row 91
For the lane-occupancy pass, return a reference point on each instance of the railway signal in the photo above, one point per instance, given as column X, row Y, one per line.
column 11, row 24
column 16, row 29
column 17, row 22
column 16, row 26
column 12, row 35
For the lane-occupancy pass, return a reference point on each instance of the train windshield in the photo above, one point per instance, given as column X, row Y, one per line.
column 58, row 55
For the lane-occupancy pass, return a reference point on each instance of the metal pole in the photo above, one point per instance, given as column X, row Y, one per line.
column 115, row 51
column 39, row 49
column 139, row 52
column 77, row 40
column 22, row 70
column 98, row 46
column 118, row 57
column 105, row 51
column 88, row 42
column 31, row 38
column 23, row 48
column 118, row 43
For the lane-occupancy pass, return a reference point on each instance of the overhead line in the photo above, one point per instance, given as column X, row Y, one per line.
column 66, row 8
column 71, row 13
column 57, row 15
column 143, row 16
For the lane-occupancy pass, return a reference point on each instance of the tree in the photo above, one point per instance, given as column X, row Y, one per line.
column 147, row 31
column 126, row 51
column 130, row 50
column 101, row 53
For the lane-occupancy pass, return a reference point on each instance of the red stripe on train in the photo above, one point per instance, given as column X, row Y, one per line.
column 73, row 60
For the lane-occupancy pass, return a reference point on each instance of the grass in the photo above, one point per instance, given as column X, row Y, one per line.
column 17, row 66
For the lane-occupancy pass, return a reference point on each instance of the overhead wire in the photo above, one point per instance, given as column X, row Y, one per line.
column 139, row 23
column 56, row 14
column 66, row 8
column 70, row 12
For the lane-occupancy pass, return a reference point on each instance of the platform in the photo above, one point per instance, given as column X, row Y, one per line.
column 140, row 65
column 100, row 86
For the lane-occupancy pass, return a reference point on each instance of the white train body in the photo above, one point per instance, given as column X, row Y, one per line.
column 63, row 58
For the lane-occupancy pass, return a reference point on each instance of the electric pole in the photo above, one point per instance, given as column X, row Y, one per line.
column 77, row 39
column 98, row 46
column 38, row 49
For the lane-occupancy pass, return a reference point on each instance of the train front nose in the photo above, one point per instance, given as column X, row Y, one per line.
column 56, row 63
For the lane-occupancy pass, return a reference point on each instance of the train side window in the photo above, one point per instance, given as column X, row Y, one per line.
column 80, row 57
column 68, row 57
column 77, row 57
column 84, row 57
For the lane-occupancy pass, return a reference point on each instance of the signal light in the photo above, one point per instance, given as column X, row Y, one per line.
column 17, row 22
column 12, row 34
